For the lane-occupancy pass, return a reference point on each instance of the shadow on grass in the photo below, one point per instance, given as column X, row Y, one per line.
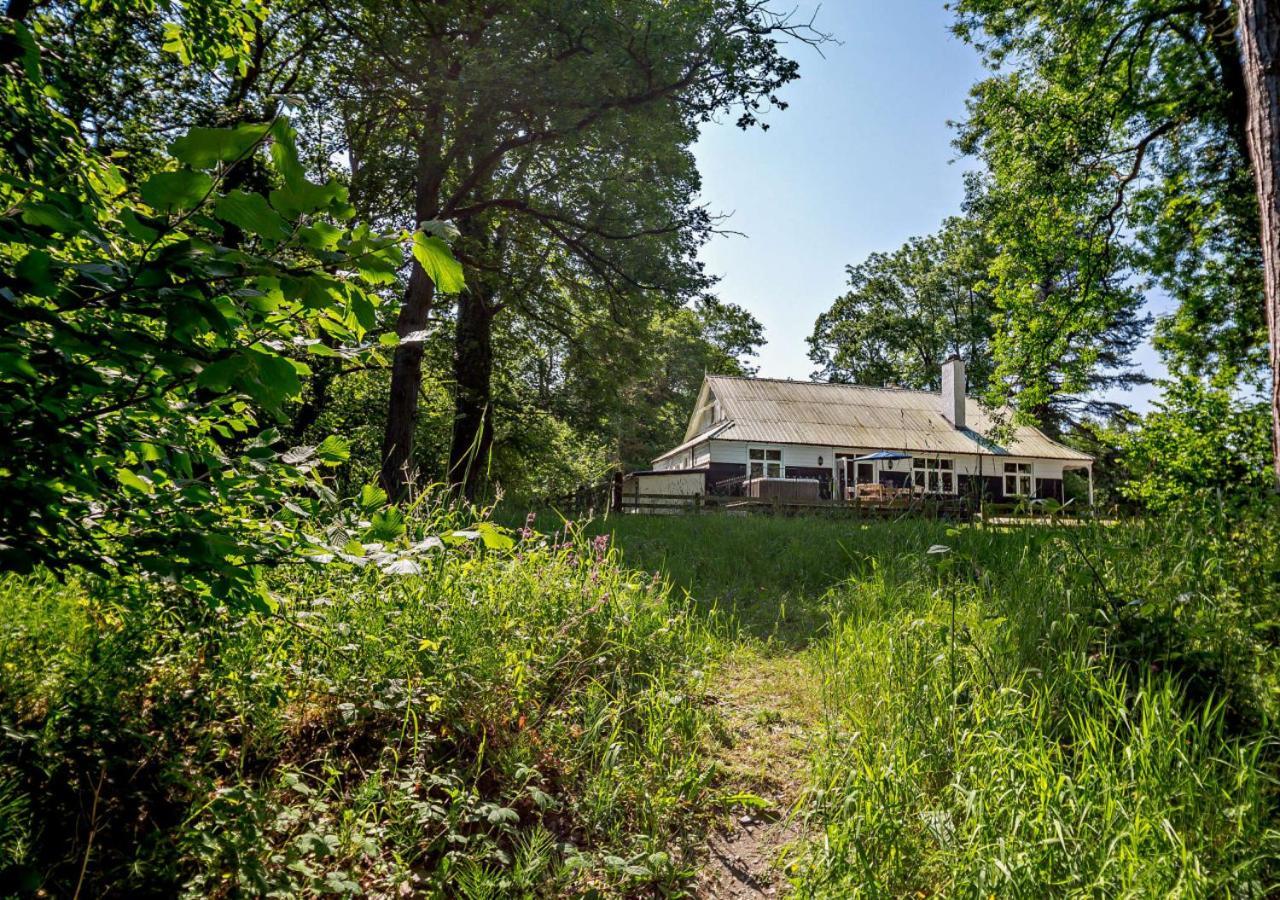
column 769, row 576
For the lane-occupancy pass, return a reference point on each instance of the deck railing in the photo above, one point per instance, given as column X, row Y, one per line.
column 672, row 504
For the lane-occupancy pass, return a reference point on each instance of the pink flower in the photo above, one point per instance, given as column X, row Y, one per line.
column 600, row 544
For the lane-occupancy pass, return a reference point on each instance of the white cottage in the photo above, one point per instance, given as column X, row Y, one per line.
column 844, row 435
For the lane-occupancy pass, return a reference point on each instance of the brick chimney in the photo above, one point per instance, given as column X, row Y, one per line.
column 953, row 391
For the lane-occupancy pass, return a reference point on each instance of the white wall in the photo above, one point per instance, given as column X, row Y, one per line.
column 679, row 484
column 806, row 455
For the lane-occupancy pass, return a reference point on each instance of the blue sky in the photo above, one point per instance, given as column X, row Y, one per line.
column 861, row 161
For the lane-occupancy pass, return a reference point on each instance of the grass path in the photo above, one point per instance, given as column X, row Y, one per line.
column 770, row 707
column 767, row 579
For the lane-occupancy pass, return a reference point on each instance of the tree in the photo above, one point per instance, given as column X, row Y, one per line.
column 1260, row 43
column 907, row 311
column 464, row 106
column 155, row 327
column 1116, row 136
column 1200, row 443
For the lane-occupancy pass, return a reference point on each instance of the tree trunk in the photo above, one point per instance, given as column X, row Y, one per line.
column 398, row 472
column 473, row 404
column 1260, row 50
column 323, row 373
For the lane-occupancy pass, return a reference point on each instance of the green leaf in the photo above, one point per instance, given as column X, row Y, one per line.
column 363, row 310
column 284, row 153
column 251, row 213
column 333, row 450
column 176, row 191
column 270, row 379
column 377, row 260
column 503, row 814
column 438, row 262
column 35, row 273
column 493, row 537
column 306, row 197
column 129, row 479
column 372, row 499
column 317, row 236
column 137, row 228
column 204, row 148
column 385, row 525
column 175, row 43
column 220, row 375
column 51, row 217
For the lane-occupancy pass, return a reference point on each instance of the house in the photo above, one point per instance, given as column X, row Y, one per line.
column 845, row 435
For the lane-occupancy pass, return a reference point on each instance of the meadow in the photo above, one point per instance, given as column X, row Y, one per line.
column 918, row 708
column 1012, row 713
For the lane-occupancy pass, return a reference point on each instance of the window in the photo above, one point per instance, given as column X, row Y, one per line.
column 1017, row 480
column 765, row 463
column 934, row 476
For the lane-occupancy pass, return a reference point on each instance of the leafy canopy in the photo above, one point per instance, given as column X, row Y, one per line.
column 151, row 334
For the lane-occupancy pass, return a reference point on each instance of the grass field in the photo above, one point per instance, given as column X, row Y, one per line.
column 655, row 706
column 1017, row 713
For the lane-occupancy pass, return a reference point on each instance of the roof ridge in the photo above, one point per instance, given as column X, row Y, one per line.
column 843, row 384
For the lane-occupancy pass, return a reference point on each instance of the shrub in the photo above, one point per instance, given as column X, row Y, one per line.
column 503, row 721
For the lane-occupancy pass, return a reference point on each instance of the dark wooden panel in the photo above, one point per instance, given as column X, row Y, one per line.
column 823, row 475
column 982, row 487
column 1050, row 488
column 722, row 471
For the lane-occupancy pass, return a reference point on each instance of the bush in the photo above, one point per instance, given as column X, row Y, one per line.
column 501, row 722
column 1202, row 443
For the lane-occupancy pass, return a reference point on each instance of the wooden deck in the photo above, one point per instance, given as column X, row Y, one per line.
column 880, row 508
column 886, row 505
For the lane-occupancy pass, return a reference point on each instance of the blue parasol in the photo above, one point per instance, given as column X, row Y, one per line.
column 883, row 454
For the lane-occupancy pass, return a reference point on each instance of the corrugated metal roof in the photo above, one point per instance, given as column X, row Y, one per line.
column 850, row 415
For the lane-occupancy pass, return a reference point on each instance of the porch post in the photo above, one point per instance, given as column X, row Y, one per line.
column 1090, row 485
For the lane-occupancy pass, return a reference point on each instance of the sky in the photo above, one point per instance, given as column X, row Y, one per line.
column 861, row 161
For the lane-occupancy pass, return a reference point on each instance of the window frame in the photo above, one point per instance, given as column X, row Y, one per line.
column 765, row 461
column 935, row 474
column 1019, row 475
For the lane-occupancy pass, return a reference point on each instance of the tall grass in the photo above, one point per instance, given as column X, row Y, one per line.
column 1018, row 713
column 1083, row 713
column 501, row 724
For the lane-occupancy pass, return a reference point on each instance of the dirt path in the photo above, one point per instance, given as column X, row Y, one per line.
column 771, row 707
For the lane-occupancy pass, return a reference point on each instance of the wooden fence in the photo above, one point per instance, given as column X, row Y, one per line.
column 609, row 497
column 676, row 504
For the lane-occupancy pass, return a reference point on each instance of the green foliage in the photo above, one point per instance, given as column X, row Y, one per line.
column 450, row 712
column 908, row 310
column 154, row 332
column 437, row 260
column 1033, row 712
column 1114, row 138
column 1013, row 724
column 511, row 721
column 1201, row 443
